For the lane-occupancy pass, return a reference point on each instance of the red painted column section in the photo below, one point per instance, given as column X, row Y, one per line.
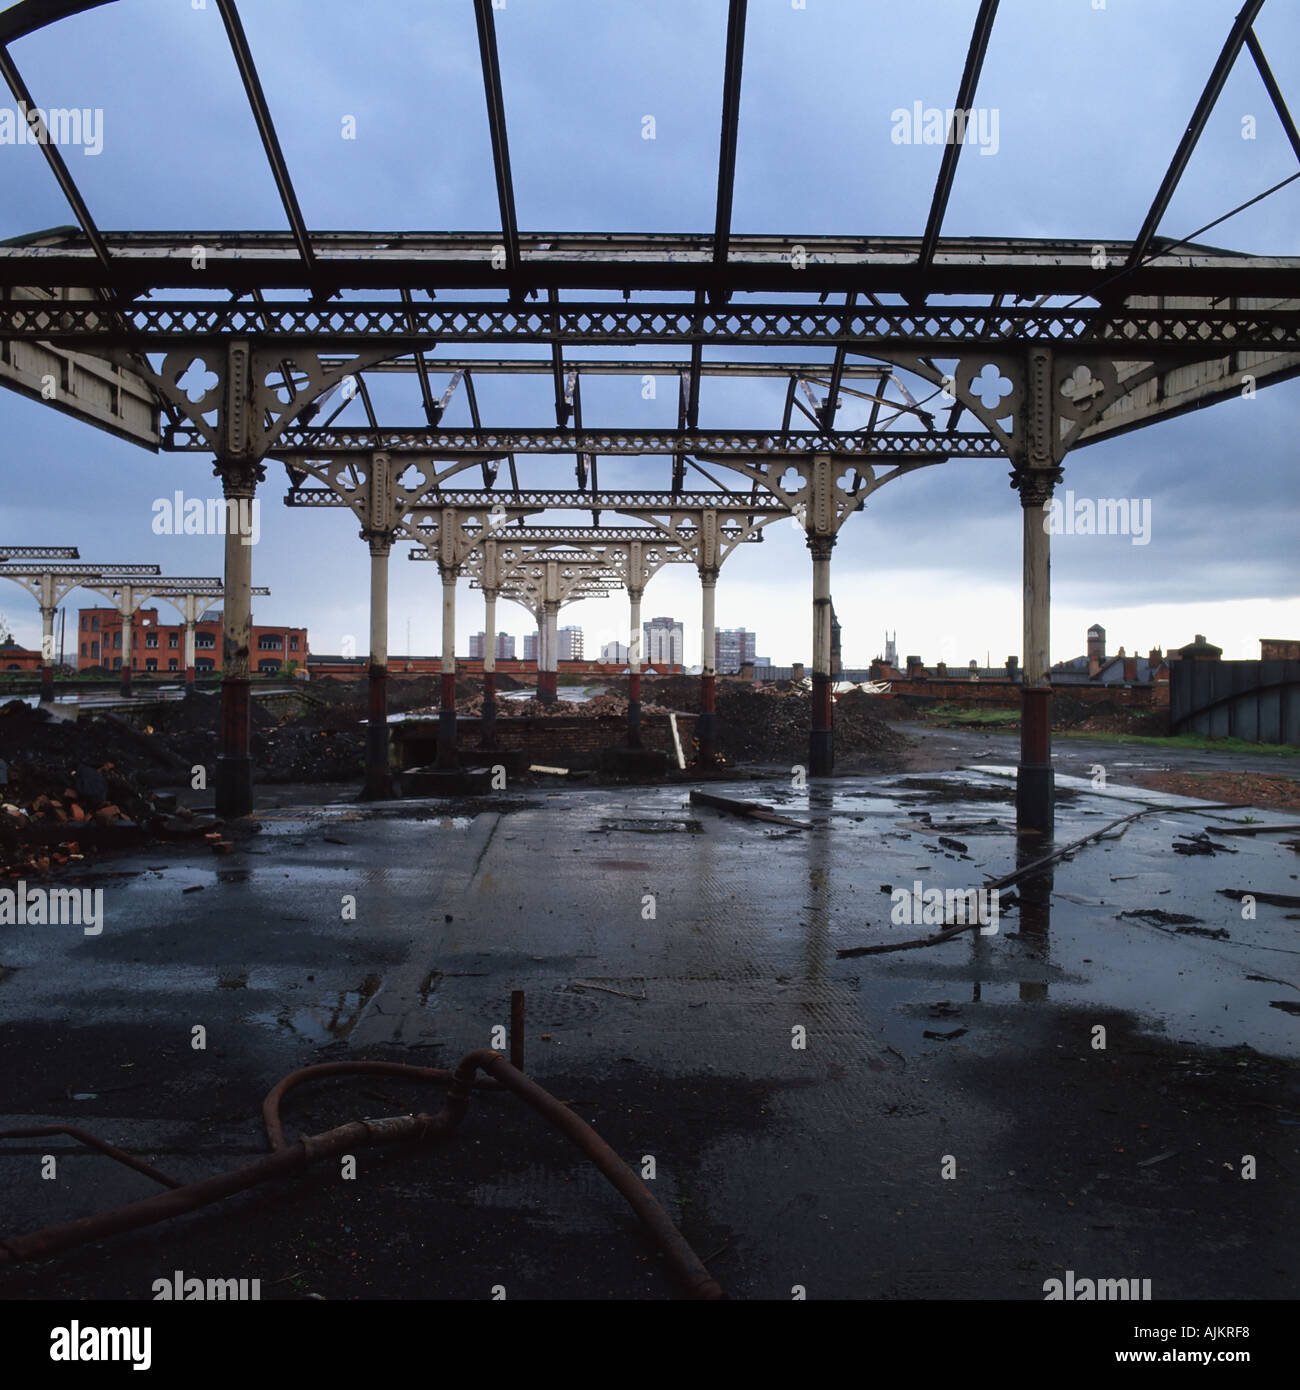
column 708, row 719
column 489, row 720
column 447, row 722
column 634, row 710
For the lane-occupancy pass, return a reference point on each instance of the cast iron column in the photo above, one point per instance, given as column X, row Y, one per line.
column 379, row 782
column 234, row 780
column 191, row 614
column 1035, row 780
column 447, row 708
column 126, row 607
column 707, row 731
column 634, row 670
column 548, row 681
column 47, row 637
column 821, row 748
column 488, row 725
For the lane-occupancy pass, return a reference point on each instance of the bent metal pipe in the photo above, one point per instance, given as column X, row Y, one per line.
column 285, row 1159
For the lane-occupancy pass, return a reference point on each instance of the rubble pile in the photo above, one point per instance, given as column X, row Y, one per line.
column 599, row 706
column 760, row 724
column 327, row 745
column 57, row 788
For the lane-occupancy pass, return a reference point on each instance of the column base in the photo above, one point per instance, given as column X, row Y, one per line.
column 447, row 759
column 125, row 687
column 379, row 781
column 706, row 731
column 488, row 718
column 47, row 687
column 1036, row 798
column 548, row 687
column 234, row 787
column 821, row 753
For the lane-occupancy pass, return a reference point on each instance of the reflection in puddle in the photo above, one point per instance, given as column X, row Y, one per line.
column 327, row 1020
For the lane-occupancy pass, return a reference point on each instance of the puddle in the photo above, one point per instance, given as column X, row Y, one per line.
column 325, row 1021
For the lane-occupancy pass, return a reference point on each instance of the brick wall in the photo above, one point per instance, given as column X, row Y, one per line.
column 1006, row 695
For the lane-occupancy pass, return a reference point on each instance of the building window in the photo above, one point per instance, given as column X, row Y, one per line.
column 85, row 622
column 151, row 640
column 171, row 663
column 94, row 622
column 173, row 639
column 117, row 640
column 293, row 644
column 83, row 649
column 204, row 663
column 151, row 663
column 268, row 667
column 270, row 642
column 117, row 663
column 94, row 649
column 204, row 641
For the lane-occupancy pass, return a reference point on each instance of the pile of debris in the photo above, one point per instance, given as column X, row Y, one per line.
column 58, row 793
column 321, row 746
column 766, row 724
column 598, row 706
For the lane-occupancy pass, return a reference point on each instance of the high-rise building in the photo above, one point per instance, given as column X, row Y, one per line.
column 505, row 646
column 614, row 654
column 530, row 646
column 570, row 643
column 665, row 642
column 734, row 647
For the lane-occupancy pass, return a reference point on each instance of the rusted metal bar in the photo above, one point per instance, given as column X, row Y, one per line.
column 517, row 1029
column 286, row 1159
column 751, row 810
column 686, row 1264
column 438, row 1076
column 150, row 1211
column 92, row 1142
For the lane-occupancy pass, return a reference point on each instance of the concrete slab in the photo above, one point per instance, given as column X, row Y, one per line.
column 670, row 958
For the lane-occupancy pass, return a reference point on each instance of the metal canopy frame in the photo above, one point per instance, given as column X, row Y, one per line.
column 1085, row 351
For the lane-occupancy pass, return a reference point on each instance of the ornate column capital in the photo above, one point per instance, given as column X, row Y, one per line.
column 1035, row 485
column 239, row 477
column 820, row 546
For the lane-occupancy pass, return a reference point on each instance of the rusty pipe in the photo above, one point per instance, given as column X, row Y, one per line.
column 92, row 1142
column 150, row 1211
column 439, row 1076
column 287, row 1159
column 686, row 1264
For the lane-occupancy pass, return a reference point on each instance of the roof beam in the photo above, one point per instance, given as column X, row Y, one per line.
column 55, row 160
column 266, row 128
column 970, row 77
column 1274, row 91
column 496, row 111
column 730, row 124
column 1200, row 117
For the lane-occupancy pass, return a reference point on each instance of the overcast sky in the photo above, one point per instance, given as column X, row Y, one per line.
column 1090, row 103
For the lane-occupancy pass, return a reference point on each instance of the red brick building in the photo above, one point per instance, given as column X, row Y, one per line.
column 16, row 658
column 157, row 646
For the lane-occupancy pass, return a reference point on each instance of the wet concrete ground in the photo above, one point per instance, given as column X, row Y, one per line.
column 820, row 1166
